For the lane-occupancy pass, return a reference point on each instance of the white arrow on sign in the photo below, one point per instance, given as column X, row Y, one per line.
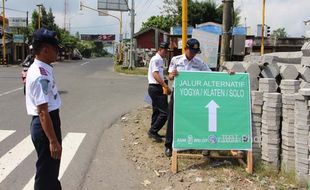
column 212, row 106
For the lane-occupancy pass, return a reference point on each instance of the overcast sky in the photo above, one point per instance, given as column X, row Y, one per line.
column 289, row 14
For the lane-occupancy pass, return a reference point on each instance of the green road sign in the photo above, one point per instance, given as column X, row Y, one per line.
column 212, row 111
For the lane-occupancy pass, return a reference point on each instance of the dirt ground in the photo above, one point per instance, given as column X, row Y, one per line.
column 154, row 167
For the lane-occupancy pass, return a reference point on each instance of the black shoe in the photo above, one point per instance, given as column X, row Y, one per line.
column 168, row 152
column 155, row 136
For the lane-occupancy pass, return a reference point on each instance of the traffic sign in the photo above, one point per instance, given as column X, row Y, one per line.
column 212, row 111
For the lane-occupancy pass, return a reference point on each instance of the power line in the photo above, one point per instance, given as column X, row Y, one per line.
column 10, row 9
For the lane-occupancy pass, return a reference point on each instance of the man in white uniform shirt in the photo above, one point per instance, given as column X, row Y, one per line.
column 158, row 91
column 43, row 103
column 185, row 62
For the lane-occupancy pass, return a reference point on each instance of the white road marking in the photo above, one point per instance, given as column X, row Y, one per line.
column 15, row 156
column 84, row 63
column 70, row 145
column 11, row 91
column 5, row 133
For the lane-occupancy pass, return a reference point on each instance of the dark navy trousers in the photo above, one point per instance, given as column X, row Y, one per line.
column 160, row 107
column 47, row 168
column 169, row 132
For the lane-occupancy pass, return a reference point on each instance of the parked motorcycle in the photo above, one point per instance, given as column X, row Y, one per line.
column 26, row 64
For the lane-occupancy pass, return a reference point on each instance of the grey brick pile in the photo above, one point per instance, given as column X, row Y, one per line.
column 302, row 122
column 257, row 105
column 288, row 89
column 271, row 121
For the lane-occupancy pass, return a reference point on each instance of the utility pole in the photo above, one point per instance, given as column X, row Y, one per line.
column 65, row 15
column 227, row 24
column 3, row 34
column 132, row 23
column 184, row 23
column 262, row 47
column 39, row 15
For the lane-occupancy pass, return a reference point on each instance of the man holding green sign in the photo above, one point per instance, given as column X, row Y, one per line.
column 185, row 62
column 212, row 111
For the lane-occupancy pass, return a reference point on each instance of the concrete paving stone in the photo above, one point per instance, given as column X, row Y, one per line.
column 277, row 96
column 302, row 114
column 251, row 68
column 272, row 109
column 257, row 124
column 290, row 87
column 288, row 97
column 301, row 149
column 289, row 151
column 305, row 61
column 288, row 112
column 274, row 105
column 257, row 94
column 304, row 91
column 234, row 65
column 268, row 89
column 267, row 80
column 305, row 49
column 301, row 131
column 301, row 106
column 254, row 84
column 287, row 102
column 270, row 71
column 269, row 59
column 303, row 161
column 287, row 106
column 289, row 91
column 288, row 72
column 304, row 84
column 256, row 109
column 271, row 115
column 289, row 141
column 305, row 73
column 302, row 123
column 256, row 118
column 290, row 82
column 268, row 128
column 299, row 97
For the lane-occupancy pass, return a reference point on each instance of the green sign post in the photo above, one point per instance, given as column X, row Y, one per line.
column 212, row 111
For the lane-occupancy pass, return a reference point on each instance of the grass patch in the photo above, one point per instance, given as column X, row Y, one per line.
column 135, row 71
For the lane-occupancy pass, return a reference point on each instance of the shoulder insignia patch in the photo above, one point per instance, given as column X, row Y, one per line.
column 43, row 71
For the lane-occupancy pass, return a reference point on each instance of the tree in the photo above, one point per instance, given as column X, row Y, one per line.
column 161, row 22
column 198, row 12
column 279, row 33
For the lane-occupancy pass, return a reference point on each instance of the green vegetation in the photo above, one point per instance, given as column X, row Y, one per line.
column 279, row 33
column 198, row 12
column 70, row 42
column 125, row 70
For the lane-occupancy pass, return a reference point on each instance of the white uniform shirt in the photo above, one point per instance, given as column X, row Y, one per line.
column 41, row 88
column 156, row 64
column 181, row 63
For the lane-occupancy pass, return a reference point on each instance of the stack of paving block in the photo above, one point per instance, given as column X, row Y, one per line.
column 305, row 63
column 268, row 85
column 257, row 104
column 288, row 88
column 302, row 122
column 271, row 121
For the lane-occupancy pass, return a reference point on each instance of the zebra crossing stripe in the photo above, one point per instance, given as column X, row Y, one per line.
column 15, row 156
column 5, row 133
column 70, row 145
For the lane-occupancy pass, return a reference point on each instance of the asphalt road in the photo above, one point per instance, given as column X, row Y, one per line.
column 93, row 97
